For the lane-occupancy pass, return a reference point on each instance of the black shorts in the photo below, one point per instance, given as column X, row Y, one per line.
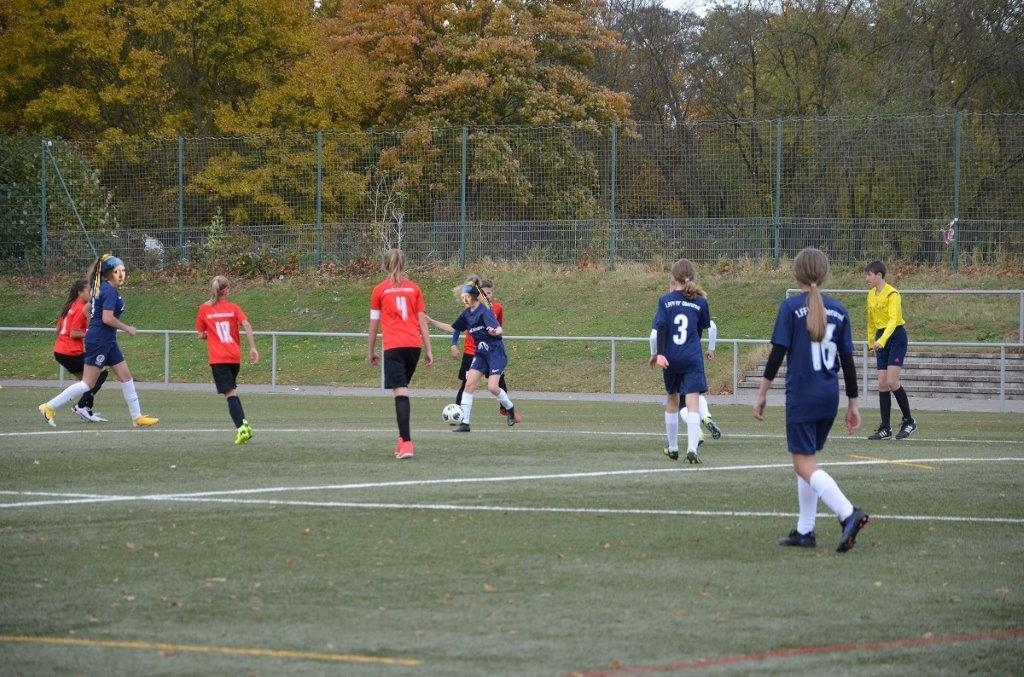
column 399, row 366
column 464, row 366
column 74, row 364
column 224, row 376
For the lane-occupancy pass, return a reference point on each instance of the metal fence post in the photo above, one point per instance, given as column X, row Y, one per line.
column 614, row 159
column 777, row 211
column 319, row 251
column 957, row 131
column 181, row 198
column 42, row 205
column 462, row 197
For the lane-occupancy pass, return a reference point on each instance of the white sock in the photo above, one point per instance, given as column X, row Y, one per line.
column 702, row 404
column 467, row 407
column 830, row 494
column 692, row 431
column 672, row 431
column 683, row 413
column 504, row 400
column 131, row 398
column 807, row 499
column 72, row 392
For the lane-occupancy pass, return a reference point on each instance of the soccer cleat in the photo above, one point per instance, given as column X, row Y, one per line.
column 405, row 449
column 87, row 415
column 715, row 431
column 244, row 433
column 513, row 416
column 97, row 417
column 851, row 527
column 692, row 457
column 907, row 429
column 700, row 439
column 671, row 453
column 799, row 540
column 883, row 432
column 461, row 428
column 145, row 420
column 48, row 413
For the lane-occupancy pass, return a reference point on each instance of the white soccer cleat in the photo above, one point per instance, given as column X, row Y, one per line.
column 87, row 415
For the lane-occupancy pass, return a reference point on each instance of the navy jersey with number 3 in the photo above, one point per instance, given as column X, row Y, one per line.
column 683, row 321
column 812, row 368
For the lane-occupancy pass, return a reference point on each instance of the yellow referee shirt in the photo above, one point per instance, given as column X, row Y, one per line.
column 884, row 310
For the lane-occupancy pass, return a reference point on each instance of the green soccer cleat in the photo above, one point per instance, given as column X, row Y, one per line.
column 244, row 433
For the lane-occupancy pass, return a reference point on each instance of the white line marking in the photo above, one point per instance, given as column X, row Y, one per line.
column 228, row 496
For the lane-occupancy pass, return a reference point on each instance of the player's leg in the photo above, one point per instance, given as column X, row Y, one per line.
column 671, row 419
column 692, row 427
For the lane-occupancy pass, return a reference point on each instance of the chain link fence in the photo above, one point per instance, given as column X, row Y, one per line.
column 936, row 189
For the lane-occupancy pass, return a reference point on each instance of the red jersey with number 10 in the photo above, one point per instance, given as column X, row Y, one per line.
column 220, row 322
column 399, row 307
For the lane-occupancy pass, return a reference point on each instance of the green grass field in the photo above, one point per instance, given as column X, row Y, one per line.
column 568, row 544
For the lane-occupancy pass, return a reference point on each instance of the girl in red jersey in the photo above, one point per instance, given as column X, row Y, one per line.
column 69, row 348
column 217, row 323
column 398, row 310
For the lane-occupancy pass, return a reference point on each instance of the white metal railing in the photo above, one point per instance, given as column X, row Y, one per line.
column 1019, row 293
column 613, row 341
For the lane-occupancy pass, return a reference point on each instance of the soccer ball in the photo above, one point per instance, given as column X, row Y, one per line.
column 451, row 414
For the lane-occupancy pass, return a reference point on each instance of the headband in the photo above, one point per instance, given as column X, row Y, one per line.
column 110, row 263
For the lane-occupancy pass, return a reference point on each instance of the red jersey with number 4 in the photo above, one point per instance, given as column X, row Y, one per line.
column 399, row 307
column 220, row 322
column 66, row 344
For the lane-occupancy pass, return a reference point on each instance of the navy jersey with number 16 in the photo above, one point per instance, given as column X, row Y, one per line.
column 812, row 368
column 683, row 320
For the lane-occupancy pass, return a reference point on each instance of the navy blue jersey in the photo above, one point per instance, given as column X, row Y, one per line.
column 683, row 322
column 812, row 368
column 108, row 299
column 476, row 322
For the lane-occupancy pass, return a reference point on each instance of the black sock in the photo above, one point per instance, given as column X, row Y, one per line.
column 235, row 409
column 904, row 402
column 458, row 395
column 885, row 407
column 88, row 398
column 402, row 411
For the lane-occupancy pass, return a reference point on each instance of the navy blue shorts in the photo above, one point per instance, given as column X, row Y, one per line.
column 895, row 350
column 689, row 382
column 490, row 358
column 103, row 355
column 399, row 366
column 225, row 377
column 808, row 438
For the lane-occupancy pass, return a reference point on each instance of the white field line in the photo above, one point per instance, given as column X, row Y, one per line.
column 232, row 496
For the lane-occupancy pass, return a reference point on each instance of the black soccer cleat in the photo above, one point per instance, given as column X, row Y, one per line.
column 715, row 431
column 673, row 454
column 907, row 429
column 692, row 457
column 798, row 540
column 883, row 432
column 461, row 428
column 851, row 527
